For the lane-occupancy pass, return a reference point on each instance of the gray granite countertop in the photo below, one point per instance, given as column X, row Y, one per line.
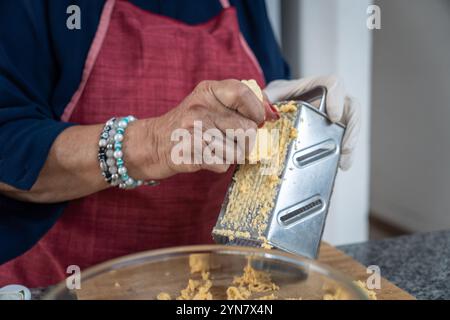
column 418, row 263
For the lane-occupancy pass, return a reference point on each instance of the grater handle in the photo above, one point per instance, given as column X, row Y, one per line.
column 313, row 95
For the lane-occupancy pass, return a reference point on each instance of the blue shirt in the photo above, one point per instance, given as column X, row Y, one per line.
column 41, row 63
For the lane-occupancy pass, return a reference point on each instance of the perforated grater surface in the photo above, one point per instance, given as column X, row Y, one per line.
column 296, row 220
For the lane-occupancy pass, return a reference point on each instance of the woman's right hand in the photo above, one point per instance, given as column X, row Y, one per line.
column 217, row 105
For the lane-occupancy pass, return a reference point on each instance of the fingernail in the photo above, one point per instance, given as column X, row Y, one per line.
column 272, row 107
column 275, row 111
column 271, row 112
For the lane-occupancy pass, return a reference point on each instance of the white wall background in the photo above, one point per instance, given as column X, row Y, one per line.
column 330, row 37
column 411, row 115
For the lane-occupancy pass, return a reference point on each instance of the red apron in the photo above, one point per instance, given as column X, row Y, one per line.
column 142, row 64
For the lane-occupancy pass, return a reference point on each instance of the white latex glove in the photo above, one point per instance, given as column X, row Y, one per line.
column 340, row 107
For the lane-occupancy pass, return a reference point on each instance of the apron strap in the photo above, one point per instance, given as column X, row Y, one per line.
column 94, row 51
column 226, row 4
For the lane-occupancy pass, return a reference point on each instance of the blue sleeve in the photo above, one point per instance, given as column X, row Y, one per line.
column 257, row 30
column 41, row 63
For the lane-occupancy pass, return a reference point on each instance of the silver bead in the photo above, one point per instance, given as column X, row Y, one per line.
column 115, row 176
column 112, row 169
column 118, row 154
column 109, row 146
column 118, row 137
column 110, row 162
column 122, row 185
column 110, row 153
column 122, row 124
column 110, row 123
column 112, row 132
column 132, row 118
column 122, row 170
column 102, row 143
column 115, row 182
column 103, row 165
column 130, row 182
column 152, row 183
column 139, row 183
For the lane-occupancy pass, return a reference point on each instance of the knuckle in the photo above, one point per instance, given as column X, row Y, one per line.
column 193, row 112
column 231, row 89
column 203, row 85
column 187, row 122
column 194, row 109
column 230, row 82
column 243, row 91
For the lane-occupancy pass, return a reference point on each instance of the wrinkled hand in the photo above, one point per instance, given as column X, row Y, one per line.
column 340, row 107
column 221, row 105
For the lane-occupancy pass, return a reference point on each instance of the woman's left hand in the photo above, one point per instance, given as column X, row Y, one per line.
column 340, row 107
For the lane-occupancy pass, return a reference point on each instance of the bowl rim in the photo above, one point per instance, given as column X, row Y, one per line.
column 147, row 255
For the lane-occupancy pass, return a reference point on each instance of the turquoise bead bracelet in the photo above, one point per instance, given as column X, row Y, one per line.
column 114, row 160
column 127, row 182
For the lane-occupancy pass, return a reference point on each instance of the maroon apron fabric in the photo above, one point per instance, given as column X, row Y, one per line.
column 146, row 65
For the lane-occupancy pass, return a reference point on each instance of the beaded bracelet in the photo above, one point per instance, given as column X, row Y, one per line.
column 111, row 155
column 127, row 182
column 105, row 148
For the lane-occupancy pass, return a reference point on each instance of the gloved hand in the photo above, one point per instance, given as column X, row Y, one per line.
column 340, row 107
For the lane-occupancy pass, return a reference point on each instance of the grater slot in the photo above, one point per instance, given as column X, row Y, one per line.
column 301, row 211
column 236, row 241
column 315, row 153
column 245, row 242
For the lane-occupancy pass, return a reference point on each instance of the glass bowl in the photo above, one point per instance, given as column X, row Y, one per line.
column 147, row 274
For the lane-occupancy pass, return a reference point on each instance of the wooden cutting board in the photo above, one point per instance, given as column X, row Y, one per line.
column 338, row 260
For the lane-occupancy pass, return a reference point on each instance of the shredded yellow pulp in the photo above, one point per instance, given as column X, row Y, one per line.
column 242, row 287
column 245, row 286
column 251, row 198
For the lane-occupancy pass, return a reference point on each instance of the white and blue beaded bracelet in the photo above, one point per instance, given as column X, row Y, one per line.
column 111, row 158
column 127, row 182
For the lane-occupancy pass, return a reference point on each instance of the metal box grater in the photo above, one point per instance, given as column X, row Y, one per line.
column 297, row 219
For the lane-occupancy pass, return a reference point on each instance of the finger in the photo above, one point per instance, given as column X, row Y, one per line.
column 239, row 129
column 335, row 97
column 272, row 113
column 217, row 168
column 351, row 118
column 335, row 93
column 222, row 150
column 216, row 149
column 219, row 148
column 239, row 97
column 285, row 90
column 233, row 126
column 280, row 90
column 345, row 161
